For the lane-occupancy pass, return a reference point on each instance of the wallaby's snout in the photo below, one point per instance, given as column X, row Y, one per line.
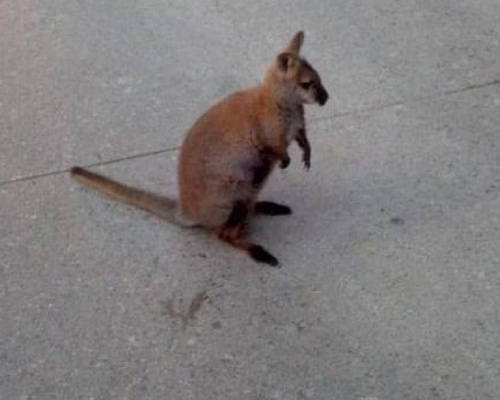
column 322, row 96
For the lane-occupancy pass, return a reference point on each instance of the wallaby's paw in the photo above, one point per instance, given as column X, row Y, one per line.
column 285, row 163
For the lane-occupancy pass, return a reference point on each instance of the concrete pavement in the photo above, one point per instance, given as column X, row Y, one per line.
column 390, row 285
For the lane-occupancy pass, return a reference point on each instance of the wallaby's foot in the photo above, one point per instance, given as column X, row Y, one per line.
column 235, row 237
column 233, row 232
column 271, row 208
column 261, row 255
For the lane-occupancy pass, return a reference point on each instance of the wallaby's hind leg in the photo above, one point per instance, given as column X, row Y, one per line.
column 233, row 232
column 271, row 208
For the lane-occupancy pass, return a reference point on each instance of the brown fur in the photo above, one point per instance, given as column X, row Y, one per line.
column 228, row 154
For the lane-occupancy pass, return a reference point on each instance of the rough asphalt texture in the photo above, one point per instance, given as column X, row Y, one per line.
column 390, row 286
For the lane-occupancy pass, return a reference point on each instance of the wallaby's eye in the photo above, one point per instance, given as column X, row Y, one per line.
column 306, row 85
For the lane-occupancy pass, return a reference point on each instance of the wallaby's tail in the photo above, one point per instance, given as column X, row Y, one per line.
column 162, row 207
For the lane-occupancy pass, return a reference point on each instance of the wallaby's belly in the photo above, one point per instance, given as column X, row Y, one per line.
column 213, row 178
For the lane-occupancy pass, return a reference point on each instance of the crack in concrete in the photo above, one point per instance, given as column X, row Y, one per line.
column 410, row 101
column 334, row 116
column 97, row 164
column 473, row 87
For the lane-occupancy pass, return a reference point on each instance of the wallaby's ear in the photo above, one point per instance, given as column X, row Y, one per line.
column 296, row 43
column 285, row 61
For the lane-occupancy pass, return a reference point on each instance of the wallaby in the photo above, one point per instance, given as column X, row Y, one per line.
column 229, row 152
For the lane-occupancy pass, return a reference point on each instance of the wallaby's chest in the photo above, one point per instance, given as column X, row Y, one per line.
column 294, row 122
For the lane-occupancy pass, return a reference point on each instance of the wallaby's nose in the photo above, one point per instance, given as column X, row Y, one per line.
column 323, row 97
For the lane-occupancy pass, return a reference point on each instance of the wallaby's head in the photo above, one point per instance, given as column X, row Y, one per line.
column 294, row 78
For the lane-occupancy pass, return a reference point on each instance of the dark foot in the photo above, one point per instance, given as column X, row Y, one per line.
column 271, row 208
column 259, row 254
column 285, row 163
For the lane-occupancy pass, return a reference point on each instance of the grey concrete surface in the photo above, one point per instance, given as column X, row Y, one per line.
column 390, row 286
